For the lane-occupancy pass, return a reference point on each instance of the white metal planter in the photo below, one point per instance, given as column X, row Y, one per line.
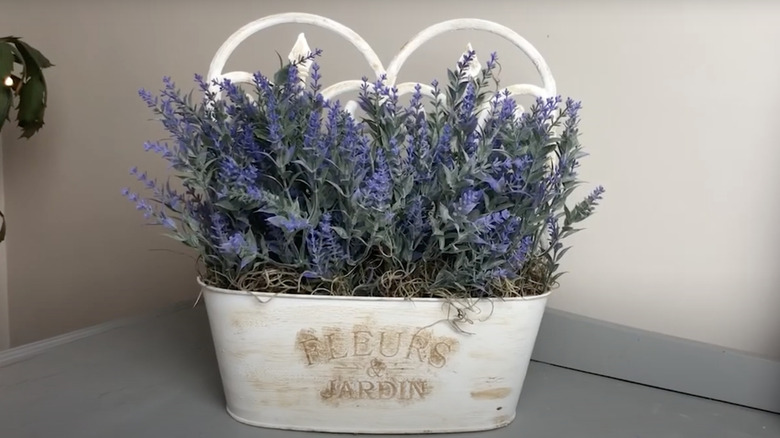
column 372, row 365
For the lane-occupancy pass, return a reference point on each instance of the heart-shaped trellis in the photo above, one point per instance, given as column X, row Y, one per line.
column 301, row 48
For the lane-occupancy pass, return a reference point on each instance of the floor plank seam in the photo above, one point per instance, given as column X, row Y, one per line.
column 646, row 385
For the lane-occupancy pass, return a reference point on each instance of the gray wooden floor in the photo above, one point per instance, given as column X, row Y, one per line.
column 159, row 379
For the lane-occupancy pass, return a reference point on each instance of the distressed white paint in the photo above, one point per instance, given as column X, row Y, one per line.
column 281, row 356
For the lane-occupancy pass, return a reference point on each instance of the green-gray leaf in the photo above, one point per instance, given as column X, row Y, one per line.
column 341, row 232
column 32, row 104
column 6, row 60
column 40, row 60
column 6, row 100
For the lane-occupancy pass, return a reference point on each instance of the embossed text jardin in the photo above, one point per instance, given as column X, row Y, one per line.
column 376, row 364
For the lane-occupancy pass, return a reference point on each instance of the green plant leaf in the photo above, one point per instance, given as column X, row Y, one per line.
column 36, row 55
column 6, row 61
column 559, row 256
column 32, row 105
column 444, row 214
column 280, row 77
column 6, row 101
column 341, row 232
column 31, row 67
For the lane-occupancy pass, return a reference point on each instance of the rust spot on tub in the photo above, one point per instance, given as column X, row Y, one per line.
column 491, row 394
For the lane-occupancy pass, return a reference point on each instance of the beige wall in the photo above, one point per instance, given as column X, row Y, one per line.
column 680, row 101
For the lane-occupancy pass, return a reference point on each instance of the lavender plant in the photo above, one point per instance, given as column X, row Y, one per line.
column 288, row 192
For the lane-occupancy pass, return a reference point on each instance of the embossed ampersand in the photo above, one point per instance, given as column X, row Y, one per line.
column 376, row 368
